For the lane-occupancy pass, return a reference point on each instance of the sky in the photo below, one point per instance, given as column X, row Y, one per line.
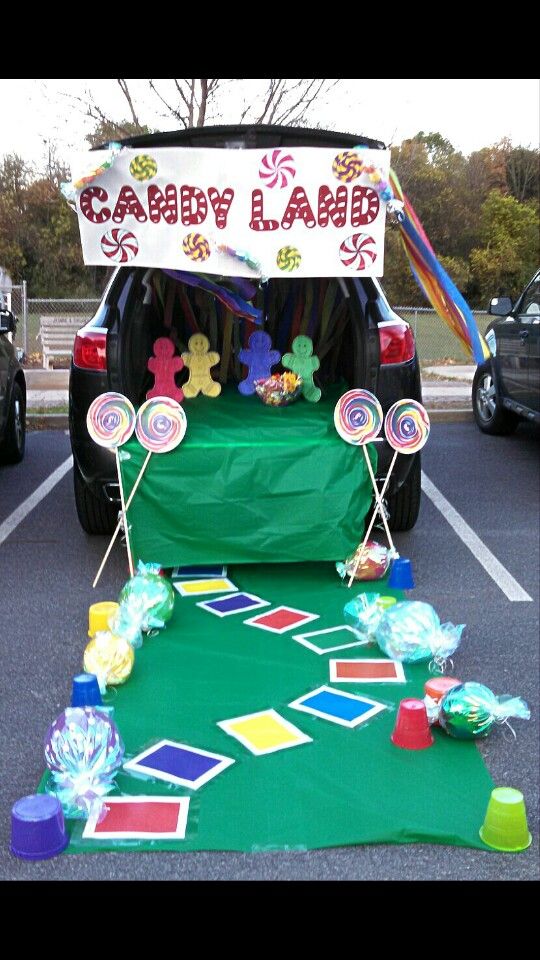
column 36, row 115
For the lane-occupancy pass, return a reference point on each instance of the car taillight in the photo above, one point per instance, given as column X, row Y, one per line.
column 90, row 349
column 397, row 342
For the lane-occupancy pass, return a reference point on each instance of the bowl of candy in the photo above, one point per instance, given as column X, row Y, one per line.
column 279, row 390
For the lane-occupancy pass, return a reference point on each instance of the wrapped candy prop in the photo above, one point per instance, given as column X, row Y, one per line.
column 468, row 711
column 109, row 658
column 374, row 563
column 279, row 390
column 83, row 751
column 154, row 591
column 365, row 612
column 130, row 620
column 411, row 631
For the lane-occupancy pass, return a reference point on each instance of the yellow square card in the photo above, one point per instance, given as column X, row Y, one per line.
column 264, row 732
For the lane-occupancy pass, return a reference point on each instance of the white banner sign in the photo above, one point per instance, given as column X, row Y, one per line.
column 306, row 212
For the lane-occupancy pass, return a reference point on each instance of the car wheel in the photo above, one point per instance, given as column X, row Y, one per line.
column 404, row 506
column 95, row 516
column 489, row 415
column 15, row 436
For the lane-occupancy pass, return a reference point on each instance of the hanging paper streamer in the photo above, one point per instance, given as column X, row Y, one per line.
column 434, row 282
column 235, row 303
column 83, row 751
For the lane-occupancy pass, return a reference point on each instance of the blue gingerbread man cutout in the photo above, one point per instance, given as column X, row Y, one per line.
column 259, row 359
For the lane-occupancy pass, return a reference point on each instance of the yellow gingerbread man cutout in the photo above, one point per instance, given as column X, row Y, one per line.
column 198, row 361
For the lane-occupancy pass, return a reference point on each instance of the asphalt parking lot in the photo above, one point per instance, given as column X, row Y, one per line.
column 484, row 486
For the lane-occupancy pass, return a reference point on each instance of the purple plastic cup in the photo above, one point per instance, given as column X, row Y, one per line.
column 38, row 830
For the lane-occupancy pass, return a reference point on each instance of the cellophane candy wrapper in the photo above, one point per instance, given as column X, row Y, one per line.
column 155, row 592
column 83, row 751
column 364, row 614
column 130, row 620
column 374, row 565
column 411, row 631
column 468, row 712
column 279, row 389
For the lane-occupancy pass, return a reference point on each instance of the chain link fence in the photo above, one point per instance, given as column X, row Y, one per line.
column 435, row 341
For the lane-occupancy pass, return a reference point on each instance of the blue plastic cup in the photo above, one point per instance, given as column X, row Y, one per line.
column 401, row 575
column 38, row 830
column 85, row 692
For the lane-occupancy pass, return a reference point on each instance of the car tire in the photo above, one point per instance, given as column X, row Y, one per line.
column 15, row 434
column 404, row 506
column 96, row 517
column 490, row 416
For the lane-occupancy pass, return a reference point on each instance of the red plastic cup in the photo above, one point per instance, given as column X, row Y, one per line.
column 412, row 731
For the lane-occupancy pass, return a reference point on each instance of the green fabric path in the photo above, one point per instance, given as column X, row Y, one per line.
column 347, row 787
column 250, row 484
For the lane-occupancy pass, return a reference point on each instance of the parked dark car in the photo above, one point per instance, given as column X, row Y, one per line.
column 12, row 394
column 371, row 346
column 506, row 388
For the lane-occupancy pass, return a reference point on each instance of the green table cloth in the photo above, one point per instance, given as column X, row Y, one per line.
column 250, row 484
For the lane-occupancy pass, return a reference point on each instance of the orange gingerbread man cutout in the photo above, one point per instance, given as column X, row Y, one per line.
column 199, row 361
column 164, row 365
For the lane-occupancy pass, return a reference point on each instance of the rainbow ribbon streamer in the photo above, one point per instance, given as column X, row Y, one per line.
column 435, row 283
column 231, row 300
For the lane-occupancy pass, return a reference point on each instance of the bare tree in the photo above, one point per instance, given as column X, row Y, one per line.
column 193, row 103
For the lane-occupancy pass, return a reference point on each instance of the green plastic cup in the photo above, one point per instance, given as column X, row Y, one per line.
column 386, row 602
column 505, row 826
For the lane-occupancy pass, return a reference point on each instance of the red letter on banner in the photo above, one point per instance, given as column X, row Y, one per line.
column 193, row 206
column 298, row 208
column 257, row 219
column 128, row 205
column 365, row 206
column 334, row 207
column 163, row 206
column 86, row 201
column 221, row 204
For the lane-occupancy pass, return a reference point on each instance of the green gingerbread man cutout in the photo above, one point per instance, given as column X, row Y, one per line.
column 301, row 362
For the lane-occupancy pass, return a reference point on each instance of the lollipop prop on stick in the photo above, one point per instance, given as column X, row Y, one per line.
column 358, row 419
column 406, row 426
column 110, row 422
column 160, row 426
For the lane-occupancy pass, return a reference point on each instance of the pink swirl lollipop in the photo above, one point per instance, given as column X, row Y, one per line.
column 161, row 425
column 358, row 417
column 111, row 420
column 407, row 426
column 121, row 246
column 358, row 251
column 277, row 169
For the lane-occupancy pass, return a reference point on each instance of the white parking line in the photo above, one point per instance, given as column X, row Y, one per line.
column 480, row 552
column 26, row 507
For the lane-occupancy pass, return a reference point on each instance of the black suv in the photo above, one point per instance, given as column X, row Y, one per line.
column 367, row 344
column 12, row 394
column 506, row 388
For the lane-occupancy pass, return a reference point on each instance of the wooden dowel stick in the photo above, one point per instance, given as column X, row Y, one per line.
column 380, row 505
column 366, row 538
column 119, row 524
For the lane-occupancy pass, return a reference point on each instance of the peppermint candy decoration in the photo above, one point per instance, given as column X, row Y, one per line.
column 347, row 166
column 120, row 246
column 143, row 167
column 277, row 169
column 196, row 247
column 289, row 259
column 358, row 251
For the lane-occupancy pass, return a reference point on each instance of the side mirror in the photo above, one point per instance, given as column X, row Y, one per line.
column 8, row 322
column 500, row 306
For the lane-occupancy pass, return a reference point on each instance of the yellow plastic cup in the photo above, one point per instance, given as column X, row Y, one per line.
column 505, row 826
column 99, row 615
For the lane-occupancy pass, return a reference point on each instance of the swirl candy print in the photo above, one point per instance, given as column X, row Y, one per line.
column 289, row 259
column 196, row 247
column 358, row 417
column 277, row 169
column 161, row 425
column 120, row 246
column 110, row 420
column 347, row 166
column 143, row 167
column 358, row 251
column 407, row 426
